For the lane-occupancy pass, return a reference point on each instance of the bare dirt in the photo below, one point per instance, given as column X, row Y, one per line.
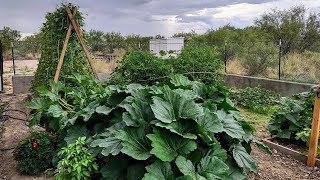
column 13, row 132
column 276, row 166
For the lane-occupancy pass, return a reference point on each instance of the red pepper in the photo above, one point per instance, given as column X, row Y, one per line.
column 35, row 145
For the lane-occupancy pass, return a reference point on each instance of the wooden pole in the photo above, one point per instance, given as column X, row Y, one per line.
column 64, row 49
column 313, row 145
column 83, row 44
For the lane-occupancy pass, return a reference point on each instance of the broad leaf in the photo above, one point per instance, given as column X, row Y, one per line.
column 185, row 166
column 115, row 169
column 174, row 106
column 56, row 111
column 107, row 140
column 138, row 113
column 243, row 159
column 230, row 126
column 182, row 128
column 74, row 133
column 159, row 171
column 136, row 171
column 103, row 110
column 284, row 134
column 179, row 80
column 135, row 143
column 167, row 146
column 212, row 168
column 209, row 122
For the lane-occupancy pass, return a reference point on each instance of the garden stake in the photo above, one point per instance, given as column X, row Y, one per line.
column 63, row 52
column 83, row 44
column 314, row 131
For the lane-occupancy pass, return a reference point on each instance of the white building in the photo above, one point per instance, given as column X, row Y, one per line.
column 166, row 45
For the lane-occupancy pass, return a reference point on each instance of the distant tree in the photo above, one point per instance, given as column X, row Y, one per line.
column 297, row 29
column 96, row 40
column 188, row 36
column 8, row 35
column 29, row 45
column 158, row 36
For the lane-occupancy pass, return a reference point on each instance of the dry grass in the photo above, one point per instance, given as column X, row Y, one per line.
column 103, row 66
column 300, row 67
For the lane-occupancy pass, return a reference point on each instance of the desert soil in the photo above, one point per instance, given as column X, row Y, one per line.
column 276, row 166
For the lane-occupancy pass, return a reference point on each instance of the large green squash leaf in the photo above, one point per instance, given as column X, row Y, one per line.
column 230, row 125
column 209, row 122
column 138, row 113
column 212, row 167
column 182, row 128
column 115, row 169
column 75, row 132
column 135, row 143
column 174, row 106
column 159, row 171
column 167, row 146
column 243, row 159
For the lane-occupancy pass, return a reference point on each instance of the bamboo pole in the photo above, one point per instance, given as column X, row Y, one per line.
column 83, row 44
column 313, row 145
column 64, row 49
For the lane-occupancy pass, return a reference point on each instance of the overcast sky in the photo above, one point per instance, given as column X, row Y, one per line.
column 147, row 17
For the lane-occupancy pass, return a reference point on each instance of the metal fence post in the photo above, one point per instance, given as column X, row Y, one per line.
column 13, row 63
column 225, row 57
column 1, row 68
column 280, row 54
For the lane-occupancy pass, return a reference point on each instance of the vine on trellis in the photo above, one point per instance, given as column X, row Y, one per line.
column 52, row 36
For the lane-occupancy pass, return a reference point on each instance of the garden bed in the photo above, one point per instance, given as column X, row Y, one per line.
column 286, row 148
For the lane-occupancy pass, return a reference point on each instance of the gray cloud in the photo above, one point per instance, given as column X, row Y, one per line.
column 146, row 17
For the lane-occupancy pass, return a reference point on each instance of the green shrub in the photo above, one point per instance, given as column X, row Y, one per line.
column 152, row 131
column 140, row 67
column 34, row 153
column 293, row 119
column 256, row 99
column 52, row 37
column 199, row 63
column 256, row 58
column 77, row 161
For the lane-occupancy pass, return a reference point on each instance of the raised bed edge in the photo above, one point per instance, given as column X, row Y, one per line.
column 284, row 150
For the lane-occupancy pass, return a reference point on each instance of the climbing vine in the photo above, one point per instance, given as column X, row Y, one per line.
column 52, row 36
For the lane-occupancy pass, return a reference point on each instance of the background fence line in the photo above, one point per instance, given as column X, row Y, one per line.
column 268, row 59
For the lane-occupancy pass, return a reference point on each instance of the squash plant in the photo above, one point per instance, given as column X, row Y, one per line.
column 179, row 129
column 52, row 36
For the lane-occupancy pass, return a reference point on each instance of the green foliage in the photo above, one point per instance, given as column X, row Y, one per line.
column 7, row 36
column 77, row 163
column 140, row 67
column 257, row 57
column 34, row 153
column 292, row 121
column 179, row 129
column 199, row 63
column 52, row 36
column 256, row 99
column 297, row 29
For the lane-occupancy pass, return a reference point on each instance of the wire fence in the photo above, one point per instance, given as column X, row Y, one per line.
column 294, row 61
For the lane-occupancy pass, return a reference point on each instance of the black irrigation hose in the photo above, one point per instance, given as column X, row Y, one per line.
column 7, row 117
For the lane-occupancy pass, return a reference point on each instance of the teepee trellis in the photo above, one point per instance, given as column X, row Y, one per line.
column 75, row 26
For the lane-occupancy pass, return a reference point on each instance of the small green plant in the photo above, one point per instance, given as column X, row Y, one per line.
column 34, row 154
column 292, row 121
column 77, row 163
column 256, row 99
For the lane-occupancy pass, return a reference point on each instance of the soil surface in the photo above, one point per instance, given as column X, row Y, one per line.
column 13, row 131
column 275, row 166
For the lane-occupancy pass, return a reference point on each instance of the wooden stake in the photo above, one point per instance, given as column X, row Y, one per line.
column 79, row 34
column 63, row 52
column 313, row 145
